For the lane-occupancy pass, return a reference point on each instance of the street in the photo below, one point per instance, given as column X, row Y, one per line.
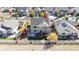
column 38, row 48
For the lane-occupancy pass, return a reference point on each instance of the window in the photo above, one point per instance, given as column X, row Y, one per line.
column 34, row 30
column 64, row 25
column 9, row 31
column 34, row 26
column 45, row 28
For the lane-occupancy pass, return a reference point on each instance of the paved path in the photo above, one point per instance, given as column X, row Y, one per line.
column 38, row 48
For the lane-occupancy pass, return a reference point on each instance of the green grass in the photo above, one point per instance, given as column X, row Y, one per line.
column 7, row 38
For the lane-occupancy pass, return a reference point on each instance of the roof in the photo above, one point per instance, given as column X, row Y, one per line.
column 10, row 24
column 37, row 21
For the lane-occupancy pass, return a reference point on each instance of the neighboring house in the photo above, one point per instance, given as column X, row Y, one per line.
column 21, row 11
column 39, row 25
column 8, row 27
column 65, row 28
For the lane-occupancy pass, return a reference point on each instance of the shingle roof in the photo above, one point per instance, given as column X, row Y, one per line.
column 37, row 21
column 11, row 24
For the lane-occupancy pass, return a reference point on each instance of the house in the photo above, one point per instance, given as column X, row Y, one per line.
column 39, row 24
column 9, row 26
column 38, row 27
column 21, row 11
